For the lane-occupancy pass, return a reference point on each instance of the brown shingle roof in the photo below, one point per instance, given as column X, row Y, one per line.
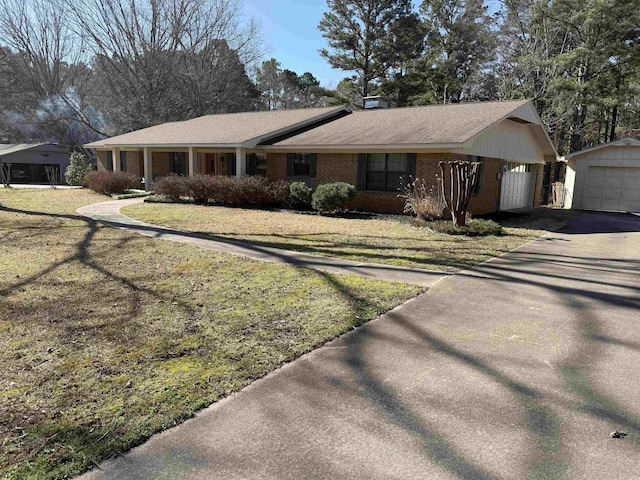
column 224, row 129
column 434, row 124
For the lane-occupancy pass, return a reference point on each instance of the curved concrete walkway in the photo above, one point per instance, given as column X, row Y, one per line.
column 108, row 213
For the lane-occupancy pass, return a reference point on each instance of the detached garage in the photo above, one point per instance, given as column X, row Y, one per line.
column 605, row 178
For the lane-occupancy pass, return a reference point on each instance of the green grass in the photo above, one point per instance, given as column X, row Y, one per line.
column 107, row 337
column 394, row 240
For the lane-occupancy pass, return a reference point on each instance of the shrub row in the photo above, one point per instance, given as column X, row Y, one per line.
column 235, row 191
column 107, row 183
column 257, row 191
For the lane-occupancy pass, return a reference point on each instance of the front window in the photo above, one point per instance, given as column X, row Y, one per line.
column 301, row 164
column 178, row 163
column 256, row 165
column 123, row 161
column 110, row 161
column 384, row 170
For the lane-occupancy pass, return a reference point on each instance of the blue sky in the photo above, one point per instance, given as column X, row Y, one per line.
column 290, row 31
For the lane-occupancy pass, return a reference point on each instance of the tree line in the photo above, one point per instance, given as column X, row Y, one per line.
column 577, row 60
column 73, row 71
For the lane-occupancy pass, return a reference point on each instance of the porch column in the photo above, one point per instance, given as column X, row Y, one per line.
column 116, row 159
column 192, row 162
column 146, row 155
column 241, row 162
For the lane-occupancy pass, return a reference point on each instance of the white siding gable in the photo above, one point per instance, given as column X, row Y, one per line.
column 508, row 140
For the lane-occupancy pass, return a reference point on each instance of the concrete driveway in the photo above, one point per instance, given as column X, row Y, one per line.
column 519, row 368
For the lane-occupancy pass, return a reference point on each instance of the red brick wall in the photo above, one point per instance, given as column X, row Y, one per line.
column 160, row 163
column 101, row 163
column 276, row 166
column 485, row 201
column 337, row 167
column 343, row 167
column 134, row 165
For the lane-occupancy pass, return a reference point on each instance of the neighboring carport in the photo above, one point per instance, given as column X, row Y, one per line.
column 27, row 162
column 605, row 178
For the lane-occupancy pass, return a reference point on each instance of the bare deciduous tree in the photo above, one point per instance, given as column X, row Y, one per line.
column 168, row 59
column 52, row 58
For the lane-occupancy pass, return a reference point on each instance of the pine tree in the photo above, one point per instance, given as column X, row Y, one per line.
column 360, row 38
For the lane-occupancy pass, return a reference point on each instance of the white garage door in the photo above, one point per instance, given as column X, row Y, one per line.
column 615, row 189
column 518, row 183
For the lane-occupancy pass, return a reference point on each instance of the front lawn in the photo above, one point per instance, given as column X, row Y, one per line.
column 392, row 240
column 107, row 336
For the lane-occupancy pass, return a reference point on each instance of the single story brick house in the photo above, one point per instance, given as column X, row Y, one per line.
column 370, row 149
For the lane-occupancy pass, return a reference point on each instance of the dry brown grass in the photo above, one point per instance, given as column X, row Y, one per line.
column 394, row 240
column 107, row 337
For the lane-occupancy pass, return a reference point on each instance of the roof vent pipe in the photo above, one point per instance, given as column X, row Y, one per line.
column 375, row 102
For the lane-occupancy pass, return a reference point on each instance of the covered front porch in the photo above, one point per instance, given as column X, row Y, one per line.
column 151, row 162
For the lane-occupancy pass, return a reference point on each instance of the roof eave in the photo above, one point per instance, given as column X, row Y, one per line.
column 364, row 147
column 623, row 142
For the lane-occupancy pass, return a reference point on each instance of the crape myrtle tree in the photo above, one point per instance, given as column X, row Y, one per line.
column 459, row 179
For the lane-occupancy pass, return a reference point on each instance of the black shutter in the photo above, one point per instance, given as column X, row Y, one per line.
column 231, row 164
column 362, row 172
column 313, row 165
column 478, row 188
column 411, row 165
column 252, row 164
column 290, row 157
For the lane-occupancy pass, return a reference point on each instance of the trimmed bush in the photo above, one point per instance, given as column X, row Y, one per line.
column 107, row 183
column 78, row 167
column 475, row 228
column 331, row 197
column 300, row 195
column 233, row 191
column 172, row 186
column 200, row 187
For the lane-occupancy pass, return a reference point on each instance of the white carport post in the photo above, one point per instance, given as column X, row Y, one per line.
column 192, row 162
column 146, row 165
column 116, row 159
column 241, row 162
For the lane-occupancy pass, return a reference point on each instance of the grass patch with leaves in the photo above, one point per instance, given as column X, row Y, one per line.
column 394, row 240
column 107, row 337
